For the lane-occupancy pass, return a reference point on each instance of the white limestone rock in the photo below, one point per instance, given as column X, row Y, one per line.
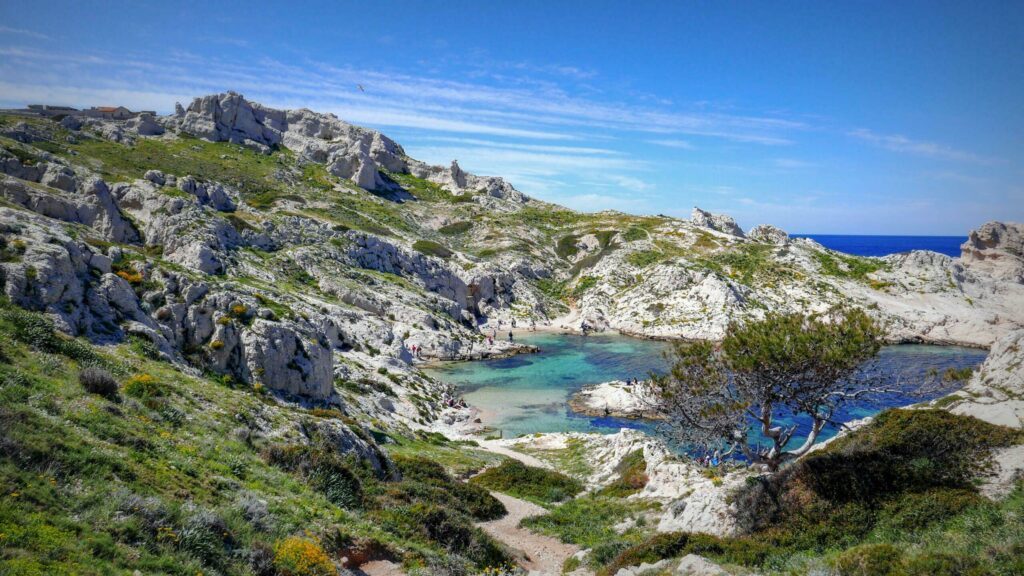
column 719, row 222
column 286, row 361
column 768, row 234
column 996, row 249
column 995, row 392
column 617, row 399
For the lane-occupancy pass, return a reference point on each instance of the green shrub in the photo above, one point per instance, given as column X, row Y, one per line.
column 585, row 283
column 903, row 450
column 98, row 381
column 644, row 259
column 846, row 266
column 424, row 521
column 941, row 564
column 870, row 560
column 536, row 484
column 431, row 248
column 38, row 332
column 632, row 476
column 634, row 233
column 323, row 468
column 429, row 481
column 456, row 228
column 566, row 247
column 915, row 511
column 144, row 386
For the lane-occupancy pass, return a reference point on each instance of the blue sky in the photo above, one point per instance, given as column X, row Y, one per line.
column 820, row 117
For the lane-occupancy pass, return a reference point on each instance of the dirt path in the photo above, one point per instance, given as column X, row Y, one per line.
column 379, row 568
column 539, row 554
column 498, row 448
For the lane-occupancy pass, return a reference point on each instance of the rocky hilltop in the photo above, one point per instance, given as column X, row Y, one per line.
column 293, row 250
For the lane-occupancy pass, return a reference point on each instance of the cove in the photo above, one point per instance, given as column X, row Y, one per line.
column 529, row 393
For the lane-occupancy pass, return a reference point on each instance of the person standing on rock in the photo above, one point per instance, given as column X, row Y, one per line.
column 509, row 335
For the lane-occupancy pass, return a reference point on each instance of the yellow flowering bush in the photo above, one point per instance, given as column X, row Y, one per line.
column 296, row 556
column 143, row 386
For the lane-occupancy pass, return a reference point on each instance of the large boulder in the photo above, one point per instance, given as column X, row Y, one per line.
column 768, row 234
column 718, row 222
column 996, row 249
column 284, row 360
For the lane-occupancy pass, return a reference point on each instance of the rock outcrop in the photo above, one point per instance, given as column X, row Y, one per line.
column 617, row 399
column 768, row 234
column 996, row 249
column 995, row 392
column 718, row 222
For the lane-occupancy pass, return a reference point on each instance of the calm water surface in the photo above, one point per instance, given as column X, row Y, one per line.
column 861, row 245
column 529, row 393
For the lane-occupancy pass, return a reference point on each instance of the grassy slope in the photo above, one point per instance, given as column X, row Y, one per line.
column 166, row 481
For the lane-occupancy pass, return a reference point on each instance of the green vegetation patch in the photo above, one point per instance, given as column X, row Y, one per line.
column 456, row 228
column 846, row 266
column 178, row 477
column 632, row 478
column 529, row 483
column 431, row 248
column 589, row 522
column 566, row 247
column 644, row 258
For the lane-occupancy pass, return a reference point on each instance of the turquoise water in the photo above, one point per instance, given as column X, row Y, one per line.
column 529, row 393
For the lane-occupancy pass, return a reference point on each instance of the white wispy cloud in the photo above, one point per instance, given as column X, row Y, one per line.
column 23, row 32
column 631, row 183
column 512, row 108
column 900, row 143
column 681, row 144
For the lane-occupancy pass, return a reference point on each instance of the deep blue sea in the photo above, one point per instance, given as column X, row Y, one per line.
column 884, row 245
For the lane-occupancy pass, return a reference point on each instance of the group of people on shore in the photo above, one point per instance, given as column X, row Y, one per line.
column 710, row 460
column 450, row 401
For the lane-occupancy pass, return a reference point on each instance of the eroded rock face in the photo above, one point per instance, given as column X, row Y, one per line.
column 94, row 206
column 768, row 234
column 996, row 391
column 282, row 359
column 996, row 249
column 719, row 222
column 348, row 151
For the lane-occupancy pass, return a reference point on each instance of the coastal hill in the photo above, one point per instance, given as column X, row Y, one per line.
column 215, row 322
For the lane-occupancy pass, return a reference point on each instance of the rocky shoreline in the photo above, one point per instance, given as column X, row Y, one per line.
column 615, row 399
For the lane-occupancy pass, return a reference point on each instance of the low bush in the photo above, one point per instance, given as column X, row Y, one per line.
column 323, row 468
column 37, row 331
column 536, row 484
column 455, row 228
column 98, row 381
column 425, row 521
column 644, row 259
column 427, row 480
column 296, row 556
column 431, row 248
column 902, row 450
column 870, row 560
column 632, row 476
column 566, row 246
column 144, row 386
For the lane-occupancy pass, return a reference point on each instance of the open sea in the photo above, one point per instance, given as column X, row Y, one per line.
column 884, row 245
